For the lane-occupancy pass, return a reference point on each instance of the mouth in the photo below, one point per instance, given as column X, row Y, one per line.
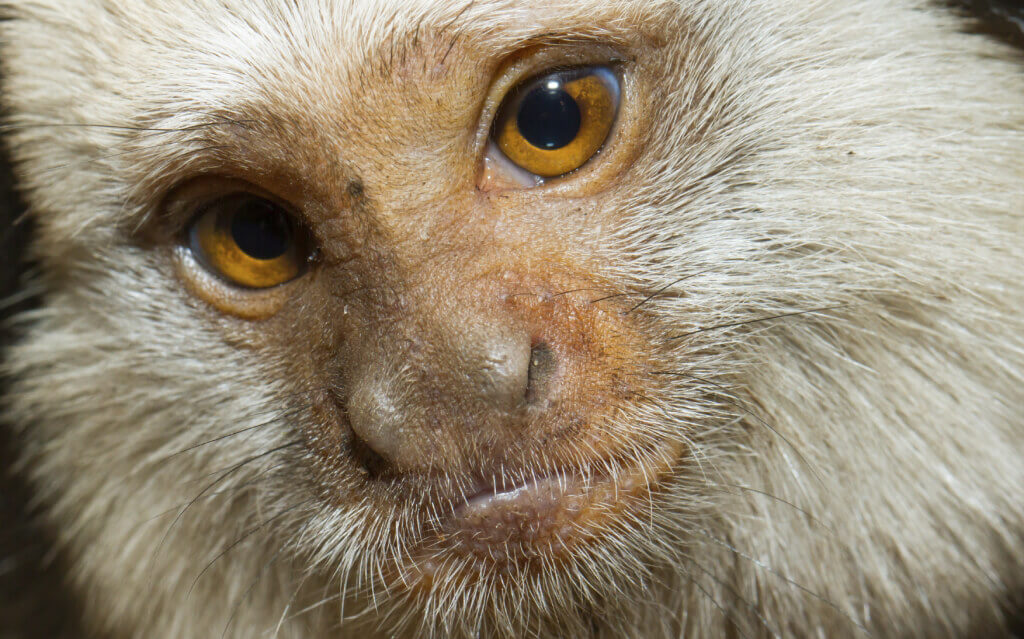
column 546, row 511
column 507, row 527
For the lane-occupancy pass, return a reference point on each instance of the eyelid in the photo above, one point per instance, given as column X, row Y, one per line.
column 244, row 303
column 181, row 206
column 499, row 172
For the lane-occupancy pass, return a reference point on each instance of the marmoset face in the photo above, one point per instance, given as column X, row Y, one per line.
column 501, row 319
column 483, row 402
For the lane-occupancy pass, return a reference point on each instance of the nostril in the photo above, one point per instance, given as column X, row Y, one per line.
column 372, row 462
column 539, row 373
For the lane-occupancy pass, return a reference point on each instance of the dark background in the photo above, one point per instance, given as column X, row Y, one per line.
column 33, row 600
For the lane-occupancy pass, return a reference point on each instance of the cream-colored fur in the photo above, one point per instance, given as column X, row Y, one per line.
column 857, row 471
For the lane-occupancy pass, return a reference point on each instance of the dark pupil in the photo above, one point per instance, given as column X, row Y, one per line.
column 260, row 229
column 548, row 118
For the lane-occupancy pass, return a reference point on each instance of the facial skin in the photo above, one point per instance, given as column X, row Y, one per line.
column 754, row 368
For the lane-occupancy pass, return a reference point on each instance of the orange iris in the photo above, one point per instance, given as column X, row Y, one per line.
column 249, row 241
column 553, row 124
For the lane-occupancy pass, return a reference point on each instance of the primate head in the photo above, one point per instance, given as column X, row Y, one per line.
column 505, row 319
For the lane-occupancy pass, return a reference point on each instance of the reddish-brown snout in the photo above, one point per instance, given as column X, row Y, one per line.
column 431, row 393
column 462, row 357
column 460, row 376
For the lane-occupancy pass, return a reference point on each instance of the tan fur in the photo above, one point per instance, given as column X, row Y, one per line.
column 857, row 471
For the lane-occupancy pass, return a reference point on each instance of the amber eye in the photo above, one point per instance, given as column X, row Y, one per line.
column 553, row 124
column 249, row 241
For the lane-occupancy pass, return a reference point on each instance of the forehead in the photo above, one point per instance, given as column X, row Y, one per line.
column 225, row 51
column 370, row 24
column 224, row 43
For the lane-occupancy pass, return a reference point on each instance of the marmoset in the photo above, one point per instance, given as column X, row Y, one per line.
column 514, row 318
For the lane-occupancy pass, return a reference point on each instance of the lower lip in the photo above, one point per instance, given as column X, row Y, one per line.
column 541, row 513
column 532, row 526
column 544, row 516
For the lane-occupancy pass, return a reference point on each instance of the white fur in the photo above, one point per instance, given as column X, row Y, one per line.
column 855, row 471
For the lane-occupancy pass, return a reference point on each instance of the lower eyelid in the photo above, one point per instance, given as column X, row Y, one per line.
column 250, row 304
column 499, row 172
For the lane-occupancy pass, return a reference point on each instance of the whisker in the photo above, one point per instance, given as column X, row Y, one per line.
column 313, row 606
column 275, row 420
column 224, row 476
column 721, row 582
column 575, row 290
column 803, row 511
column 288, row 606
column 248, row 591
column 725, row 613
column 792, row 582
column 281, row 414
column 224, row 121
column 242, row 538
column 609, row 297
column 232, row 490
column 662, row 290
column 728, row 399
